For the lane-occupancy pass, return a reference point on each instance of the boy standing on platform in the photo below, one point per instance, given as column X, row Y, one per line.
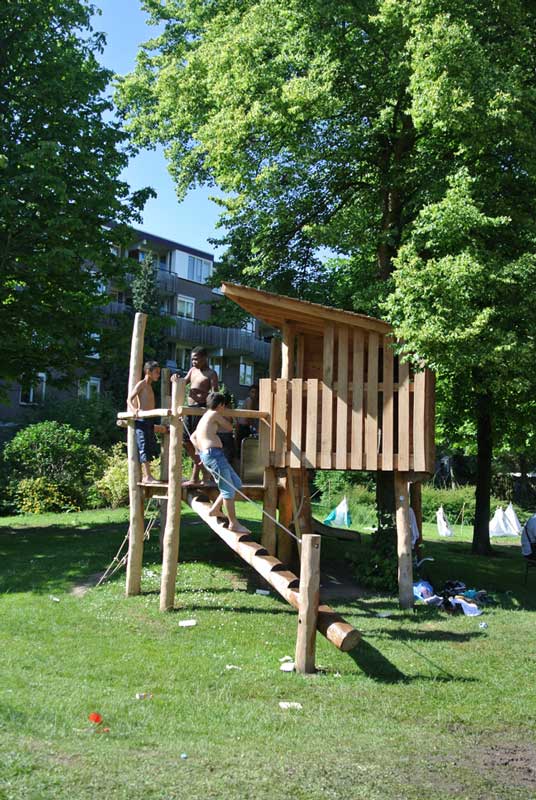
column 202, row 380
column 141, row 398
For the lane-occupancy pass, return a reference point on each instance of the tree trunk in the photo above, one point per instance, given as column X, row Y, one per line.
column 481, row 541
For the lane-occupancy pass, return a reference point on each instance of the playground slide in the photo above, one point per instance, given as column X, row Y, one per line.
column 335, row 533
column 330, row 624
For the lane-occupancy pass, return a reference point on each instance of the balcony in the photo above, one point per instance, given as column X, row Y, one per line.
column 230, row 340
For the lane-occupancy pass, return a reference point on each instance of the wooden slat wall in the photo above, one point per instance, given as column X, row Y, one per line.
column 309, row 430
column 341, row 430
column 358, row 383
column 326, row 436
column 295, row 459
column 403, row 418
column 388, row 449
column 371, row 426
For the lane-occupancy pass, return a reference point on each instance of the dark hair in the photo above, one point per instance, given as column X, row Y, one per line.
column 199, row 351
column 215, row 399
column 149, row 366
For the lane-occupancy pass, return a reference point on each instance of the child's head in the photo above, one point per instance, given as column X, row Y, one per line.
column 152, row 368
column 214, row 400
column 199, row 357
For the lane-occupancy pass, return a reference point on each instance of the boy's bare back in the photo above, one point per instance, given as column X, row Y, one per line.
column 206, row 433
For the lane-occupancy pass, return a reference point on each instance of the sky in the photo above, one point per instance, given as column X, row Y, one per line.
column 192, row 221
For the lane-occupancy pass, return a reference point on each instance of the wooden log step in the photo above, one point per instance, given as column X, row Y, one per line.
column 330, row 624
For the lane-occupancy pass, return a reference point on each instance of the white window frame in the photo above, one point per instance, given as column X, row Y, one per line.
column 246, row 374
column 84, row 387
column 40, row 387
column 186, row 299
column 199, row 269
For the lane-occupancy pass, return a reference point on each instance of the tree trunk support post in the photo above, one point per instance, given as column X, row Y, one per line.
column 403, row 530
column 309, row 601
column 170, row 549
column 135, row 491
column 165, row 402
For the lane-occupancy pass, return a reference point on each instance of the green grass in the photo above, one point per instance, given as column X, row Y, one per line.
column 428, row 705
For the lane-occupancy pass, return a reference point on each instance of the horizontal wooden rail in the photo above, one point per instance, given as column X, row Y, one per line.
column 193, row 411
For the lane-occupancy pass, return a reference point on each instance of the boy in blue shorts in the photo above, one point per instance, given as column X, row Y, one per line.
column 210, row 448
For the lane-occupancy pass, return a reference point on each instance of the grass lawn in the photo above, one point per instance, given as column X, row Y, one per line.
column 427, row 706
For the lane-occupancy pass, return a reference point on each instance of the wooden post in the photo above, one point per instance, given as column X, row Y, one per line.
column 165, row 402
column 415, row 494
column 287, row 350
column 403, row 531
column 170, row 553
column 275, row 358
column 269, row 531
column 136, row 529
column 286, row 548
column 309, row 602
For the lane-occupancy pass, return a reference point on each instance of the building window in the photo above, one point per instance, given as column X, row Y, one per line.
column 216, row 365
column 185, row 306
column 89, row 388
column 246, row 372
column 168, row 305
column 163, row 262
column 95, row 338
column 249, row 325
column 199, row 269
column 33, row 393
column 183, row 357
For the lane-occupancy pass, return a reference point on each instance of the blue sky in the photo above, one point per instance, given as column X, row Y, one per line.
column 192, row 221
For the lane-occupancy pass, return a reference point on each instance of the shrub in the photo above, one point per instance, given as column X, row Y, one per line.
column 376, row 567
column 453, row 501
column 113, row 485
column 39, row 495
column 56, row 453
column 97, row 415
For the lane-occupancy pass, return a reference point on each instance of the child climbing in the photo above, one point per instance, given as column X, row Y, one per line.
column 209, row 446
column 141, row 398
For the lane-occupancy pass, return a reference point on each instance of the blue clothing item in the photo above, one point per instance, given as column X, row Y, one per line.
column 226, row 478
column 145, row 440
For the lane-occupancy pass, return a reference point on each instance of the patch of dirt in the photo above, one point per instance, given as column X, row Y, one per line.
column 512, row 765
column 80, row 589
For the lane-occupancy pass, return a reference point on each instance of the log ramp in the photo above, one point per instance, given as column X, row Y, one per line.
column 329, row 623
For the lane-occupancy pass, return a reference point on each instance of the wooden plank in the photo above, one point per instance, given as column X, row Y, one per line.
column 403, row 417
column 326, row 435
column 311, row 423
column 430, row 422
column 280, row 422
column 371, row 425
column 287, row 350
column 300, row 356
column 341, row 436
column 286, row 545
column 269, row 531
column 170, row 547
column 296, row 386
column 388, row 446
column 419, row 422
column 309, row 598
column 275, row 358
column 265, row 426
column 136, row 529
column 358, row 381
column 403, row 532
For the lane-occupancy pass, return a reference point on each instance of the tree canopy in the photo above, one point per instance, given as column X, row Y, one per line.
column 61, row 155
column 398, row 133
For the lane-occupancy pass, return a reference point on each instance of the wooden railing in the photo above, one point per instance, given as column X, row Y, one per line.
column 368, row 425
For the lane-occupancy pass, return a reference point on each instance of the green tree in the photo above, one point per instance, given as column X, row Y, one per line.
column 61, row 158
column 145, row 294
column 335, row 124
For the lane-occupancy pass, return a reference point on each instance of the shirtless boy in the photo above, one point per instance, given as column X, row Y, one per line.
column 141, row 398
column 202, row 380
column 209, row 445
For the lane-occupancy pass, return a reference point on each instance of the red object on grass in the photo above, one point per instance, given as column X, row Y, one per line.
column 95, row 718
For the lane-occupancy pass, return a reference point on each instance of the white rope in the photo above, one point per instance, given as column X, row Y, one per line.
column 120, row 562
column 256, row 505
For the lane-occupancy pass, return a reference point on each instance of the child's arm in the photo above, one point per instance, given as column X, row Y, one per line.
column 223, row 423
column 135, row 394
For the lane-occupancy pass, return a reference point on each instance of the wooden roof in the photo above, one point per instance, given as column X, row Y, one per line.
column 312, row 318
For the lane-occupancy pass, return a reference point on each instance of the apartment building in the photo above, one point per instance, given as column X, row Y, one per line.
column 238, row 355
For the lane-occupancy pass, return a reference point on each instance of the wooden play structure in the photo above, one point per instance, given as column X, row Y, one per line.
column 337, row 398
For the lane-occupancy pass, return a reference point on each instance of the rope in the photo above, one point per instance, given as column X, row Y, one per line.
column 120, row 562
column 249, row 500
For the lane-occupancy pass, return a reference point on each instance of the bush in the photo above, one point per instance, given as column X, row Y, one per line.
column 453, row 501
column 376, row 567
column 59, row 455
column 39, row 495
column 97, row 415
column 113, row 485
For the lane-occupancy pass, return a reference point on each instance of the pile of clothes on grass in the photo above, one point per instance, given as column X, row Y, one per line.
column 453, row 598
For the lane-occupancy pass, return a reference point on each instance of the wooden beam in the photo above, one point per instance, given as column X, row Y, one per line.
column 403, row 416
column 388, row 446
column 371, row 427
column 170, row 554
column 403, row 531
column 296, row 423
column 275, row 358
column 165, row 401
column 287, row 350
column 339, row 632
column 269, row 529
column 341, row 433
column 326, row 435
column 311, row 423
column 309, row 598
column 136, row 529
column 358, row 381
